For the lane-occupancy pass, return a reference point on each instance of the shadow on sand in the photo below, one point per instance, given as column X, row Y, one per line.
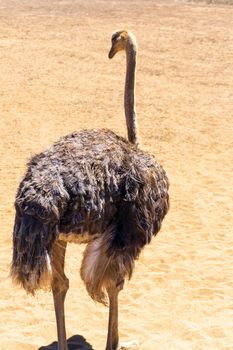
column 76, row 342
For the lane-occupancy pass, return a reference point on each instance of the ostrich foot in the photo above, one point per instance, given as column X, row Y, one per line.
column 128, row 345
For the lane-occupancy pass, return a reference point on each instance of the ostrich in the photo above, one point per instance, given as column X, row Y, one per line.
column 91, row 187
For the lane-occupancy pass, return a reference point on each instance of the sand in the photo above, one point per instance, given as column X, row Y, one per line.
column 55, row 78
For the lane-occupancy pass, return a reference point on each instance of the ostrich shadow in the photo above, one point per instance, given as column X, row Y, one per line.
column 76, row 342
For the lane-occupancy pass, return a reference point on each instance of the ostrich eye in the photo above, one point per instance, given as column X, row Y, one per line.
column 115, row 36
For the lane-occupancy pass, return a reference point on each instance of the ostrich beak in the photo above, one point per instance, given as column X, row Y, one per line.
column 112, row 52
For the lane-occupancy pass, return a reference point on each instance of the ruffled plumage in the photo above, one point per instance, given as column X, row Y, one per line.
column 90, row 181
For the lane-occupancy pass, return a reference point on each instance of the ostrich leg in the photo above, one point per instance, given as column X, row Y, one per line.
column 113, row 337
column 60, row 285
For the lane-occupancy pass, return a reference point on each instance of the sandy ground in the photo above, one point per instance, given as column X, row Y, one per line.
column 55, row 77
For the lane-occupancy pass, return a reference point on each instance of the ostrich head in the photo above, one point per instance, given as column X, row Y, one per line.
column 122, row 40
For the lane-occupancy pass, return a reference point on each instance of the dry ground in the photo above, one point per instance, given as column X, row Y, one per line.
column 55, row 78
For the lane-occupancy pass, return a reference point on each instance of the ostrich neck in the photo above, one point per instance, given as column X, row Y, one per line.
column 130, row 113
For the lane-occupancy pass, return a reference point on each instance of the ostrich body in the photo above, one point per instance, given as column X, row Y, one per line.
column 90, row 187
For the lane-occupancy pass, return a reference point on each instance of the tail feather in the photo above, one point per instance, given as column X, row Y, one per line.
column 110, row 259
column 101, row 270
column 32, row 242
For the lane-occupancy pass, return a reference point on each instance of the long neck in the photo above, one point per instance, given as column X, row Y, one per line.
column 130, row 113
